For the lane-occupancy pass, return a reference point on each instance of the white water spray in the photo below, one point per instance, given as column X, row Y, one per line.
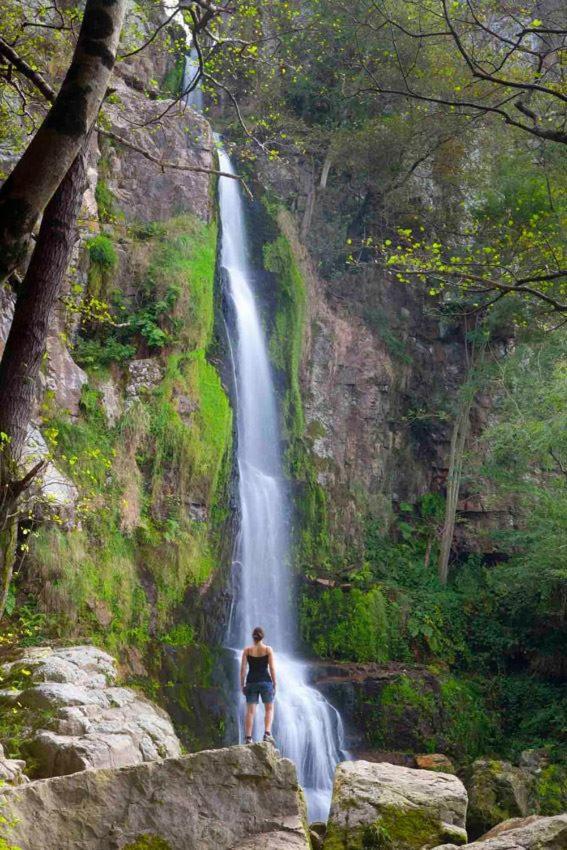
column 307, row 728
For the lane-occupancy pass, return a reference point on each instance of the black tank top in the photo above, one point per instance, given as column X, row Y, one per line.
column 258, row 669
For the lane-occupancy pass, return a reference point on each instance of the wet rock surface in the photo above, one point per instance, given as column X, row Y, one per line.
column 399, row 806
column 78, row 717
column 239, row 797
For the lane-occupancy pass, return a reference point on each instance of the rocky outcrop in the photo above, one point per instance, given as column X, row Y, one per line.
column 12, row 770
column 497, row 791
column 370, row 700
column 52, row 491
column 76, row 715
column 240, row 798
column 143, row 191
column 532, row 833
column 397, row 806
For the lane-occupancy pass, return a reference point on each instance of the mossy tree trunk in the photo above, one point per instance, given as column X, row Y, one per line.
column 50, row 154
column 8, row 542
column 25, row 348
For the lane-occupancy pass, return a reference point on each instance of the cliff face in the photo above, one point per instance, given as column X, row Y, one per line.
column 130, row 524
column 380, row 375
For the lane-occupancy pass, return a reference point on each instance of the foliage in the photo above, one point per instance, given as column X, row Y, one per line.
column 94, row 354
column 351, row 626
column 103, row 259
column 102, row 252
column 180, row 635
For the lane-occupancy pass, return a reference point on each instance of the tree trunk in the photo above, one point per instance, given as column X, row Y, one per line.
column 458, row 440
column 51, row 152
column 8, row 540
column 25, row 346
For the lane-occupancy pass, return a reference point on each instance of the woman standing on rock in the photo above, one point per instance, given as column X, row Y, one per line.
column 260, row 682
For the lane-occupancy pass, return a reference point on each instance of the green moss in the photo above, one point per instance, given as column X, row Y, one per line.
column 148, row 842
column 349, row 625
column 286, row 339
column 152, row 488
column 394, row 829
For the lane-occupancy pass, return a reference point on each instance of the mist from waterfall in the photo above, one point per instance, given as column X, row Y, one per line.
column 307, row 728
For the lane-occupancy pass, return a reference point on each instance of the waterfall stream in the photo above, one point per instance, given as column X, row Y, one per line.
column 307, row 728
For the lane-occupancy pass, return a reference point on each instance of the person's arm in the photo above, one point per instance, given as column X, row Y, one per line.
column 243, row 671
column 272, row 666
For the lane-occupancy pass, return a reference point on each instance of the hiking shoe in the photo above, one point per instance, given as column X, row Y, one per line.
column 268, row 739
column 249, row 739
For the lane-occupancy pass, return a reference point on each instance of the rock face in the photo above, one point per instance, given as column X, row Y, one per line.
column 143, row 191
column 91, row 722
column 12, row 770
column 241, row 797
column 398, row 806
column 497, row 791
column 533, row 833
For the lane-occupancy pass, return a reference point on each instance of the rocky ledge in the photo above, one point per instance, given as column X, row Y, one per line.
column 243, row 797
column 74, row 716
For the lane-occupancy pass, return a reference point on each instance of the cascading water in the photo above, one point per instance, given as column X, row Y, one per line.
column 307, row 728
column 194, row 96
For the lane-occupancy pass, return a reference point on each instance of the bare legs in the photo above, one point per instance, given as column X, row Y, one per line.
column 268, row 717
column 249, row 718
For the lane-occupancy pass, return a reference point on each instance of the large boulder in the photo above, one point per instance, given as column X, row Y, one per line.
column 388, row 806
column 76, row 715
column 244, row 797
column 497, row 791
column 532, row 833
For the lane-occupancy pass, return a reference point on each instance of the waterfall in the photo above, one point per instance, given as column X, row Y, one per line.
column 194, row 98
column 307, row 728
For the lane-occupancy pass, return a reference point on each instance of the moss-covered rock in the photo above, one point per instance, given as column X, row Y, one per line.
column 383, row 806
column 497, row 791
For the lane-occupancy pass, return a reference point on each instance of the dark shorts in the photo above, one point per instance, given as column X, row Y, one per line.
column 255, row 690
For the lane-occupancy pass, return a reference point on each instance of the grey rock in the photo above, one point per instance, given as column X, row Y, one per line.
column 111, row 402
column 93, row 722
column 143, row 191
column 240, row 798
column 51, row 489
column 531, row 833
column 412, row 808
column 143, row 376
column 12, row 770
column 63, row 377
